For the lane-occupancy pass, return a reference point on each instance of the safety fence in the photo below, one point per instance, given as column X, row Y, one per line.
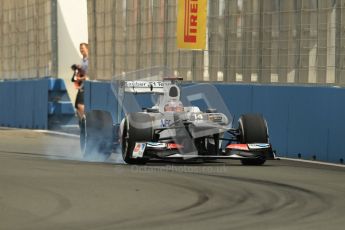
column 28, row 39
column 250, row 41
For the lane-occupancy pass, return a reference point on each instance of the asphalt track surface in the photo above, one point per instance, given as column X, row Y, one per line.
column 45, row 185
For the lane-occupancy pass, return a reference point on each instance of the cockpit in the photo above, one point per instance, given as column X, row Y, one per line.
column 171, row 99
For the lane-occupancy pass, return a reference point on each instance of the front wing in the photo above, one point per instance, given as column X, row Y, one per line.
column 158, row 150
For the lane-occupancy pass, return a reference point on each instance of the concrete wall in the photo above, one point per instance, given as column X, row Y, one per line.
column 302, row 120
column 248, row 41
column 27, row 39
column 41, row 38
column 72, row 30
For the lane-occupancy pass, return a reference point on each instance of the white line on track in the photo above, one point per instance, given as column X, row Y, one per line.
column 57, row 133
column 313, row 162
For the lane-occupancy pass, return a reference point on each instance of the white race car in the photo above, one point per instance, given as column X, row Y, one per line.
column 170, row 130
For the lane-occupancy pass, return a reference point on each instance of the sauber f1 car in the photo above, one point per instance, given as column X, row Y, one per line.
column 173, row 128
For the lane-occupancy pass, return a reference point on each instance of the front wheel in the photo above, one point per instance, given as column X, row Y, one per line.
column 137, row 128
column 253, row 129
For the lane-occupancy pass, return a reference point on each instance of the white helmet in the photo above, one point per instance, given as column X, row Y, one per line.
column 173, row 106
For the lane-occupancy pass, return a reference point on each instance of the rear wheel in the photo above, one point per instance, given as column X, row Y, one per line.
column 253, row 129
column 137, row 128
column 97, row 135
column 82, row 134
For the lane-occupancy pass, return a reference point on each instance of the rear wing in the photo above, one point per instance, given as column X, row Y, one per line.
column 150, row 80
column 144, row 86
column 153, row 80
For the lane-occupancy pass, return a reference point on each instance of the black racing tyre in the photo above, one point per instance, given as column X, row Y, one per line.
column 98, row 135
column 257, row 161
column 137, row 128
column 253, row 129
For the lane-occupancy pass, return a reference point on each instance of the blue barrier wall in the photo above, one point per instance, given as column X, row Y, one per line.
column 61, row 112
column 35, row 104
column 24, row 104
column 302, row 120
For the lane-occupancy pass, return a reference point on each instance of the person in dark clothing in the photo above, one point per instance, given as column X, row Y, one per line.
column 79, row 76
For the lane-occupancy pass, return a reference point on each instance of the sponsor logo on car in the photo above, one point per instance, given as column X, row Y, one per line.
column 259, row 146
column 174, row 146
column 165, row 123
column 145, row 84
column 156, row 145
column 139, row 149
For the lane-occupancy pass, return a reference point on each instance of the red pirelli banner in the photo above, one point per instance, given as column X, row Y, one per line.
column 191, row 24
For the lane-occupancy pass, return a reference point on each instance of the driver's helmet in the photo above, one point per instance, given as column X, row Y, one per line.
column 173, row 106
